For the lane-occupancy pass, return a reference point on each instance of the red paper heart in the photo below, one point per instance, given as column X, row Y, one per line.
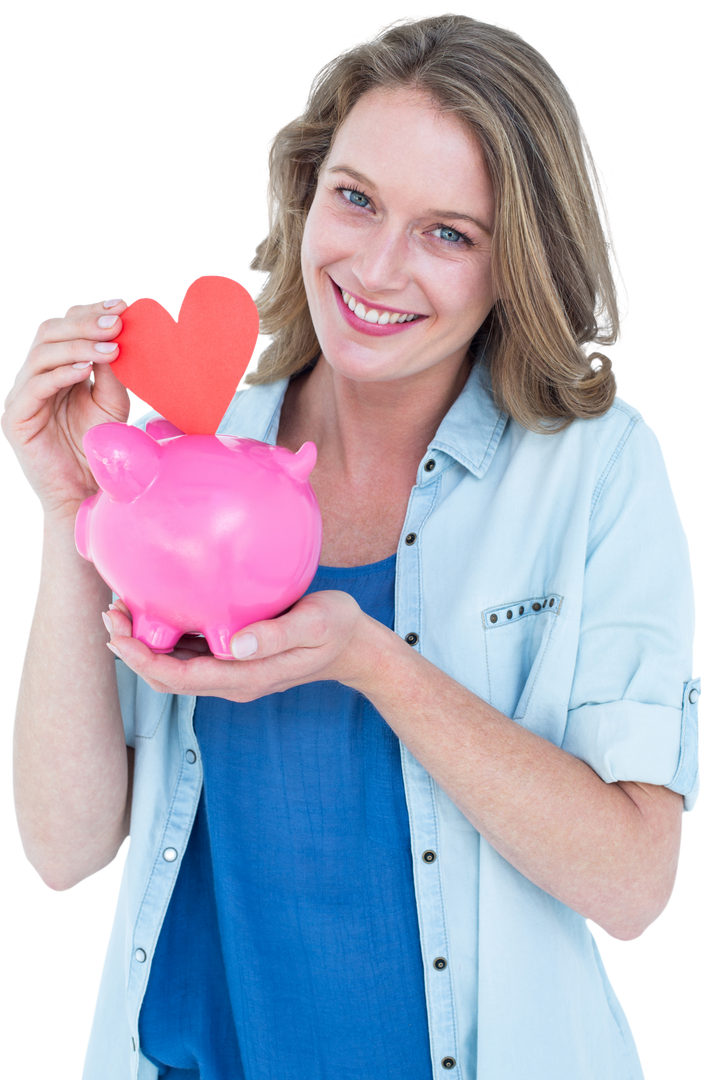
column 188, row 370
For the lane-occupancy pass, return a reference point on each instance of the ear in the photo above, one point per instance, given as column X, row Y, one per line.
column 301, row 464
column 124, row 460
column 162, row 429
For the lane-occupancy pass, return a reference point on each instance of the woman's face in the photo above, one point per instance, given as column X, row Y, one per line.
column 401, row 224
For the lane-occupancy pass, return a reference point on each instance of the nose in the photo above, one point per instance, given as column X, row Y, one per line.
column 382, row 263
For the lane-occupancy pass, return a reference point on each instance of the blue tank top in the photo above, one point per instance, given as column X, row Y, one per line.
column 290, row 948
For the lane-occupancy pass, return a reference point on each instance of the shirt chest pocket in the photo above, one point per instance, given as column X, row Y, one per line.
column 517, row 637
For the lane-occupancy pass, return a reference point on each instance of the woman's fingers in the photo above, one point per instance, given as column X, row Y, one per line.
column 120, row 605
column 93, row 322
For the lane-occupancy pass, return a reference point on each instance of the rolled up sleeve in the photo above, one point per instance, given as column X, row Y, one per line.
column 633, row 708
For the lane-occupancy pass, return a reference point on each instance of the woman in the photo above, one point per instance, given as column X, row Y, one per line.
column 396, row 806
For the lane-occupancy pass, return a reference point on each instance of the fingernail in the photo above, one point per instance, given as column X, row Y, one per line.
column 108, row 622
column 107, row 321
column 114, row 649
column 104, row 346
column 84, row 363
column 112, row 607
column 243, row 646
column 111, row 303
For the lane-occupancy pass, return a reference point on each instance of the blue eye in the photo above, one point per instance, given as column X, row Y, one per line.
column 445, row 228
column 440, row 228
column 354, row 191
column 449, row 234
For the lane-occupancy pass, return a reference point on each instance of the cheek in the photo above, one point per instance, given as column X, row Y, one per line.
column 309, row 264
column 465, row 297
column 328, row 239
column 310, row 233
column 480, row 285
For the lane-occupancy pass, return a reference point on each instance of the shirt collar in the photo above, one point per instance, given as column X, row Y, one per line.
column 472, row 428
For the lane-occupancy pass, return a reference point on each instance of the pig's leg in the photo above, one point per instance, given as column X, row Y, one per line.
column 157, row 635
column 218, row 638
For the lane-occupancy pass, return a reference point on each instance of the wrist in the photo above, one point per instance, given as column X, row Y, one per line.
column 60, row 527
column 376, row 652
column 61, row 557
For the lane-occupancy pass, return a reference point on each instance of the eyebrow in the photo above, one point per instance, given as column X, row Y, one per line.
column 439, row 214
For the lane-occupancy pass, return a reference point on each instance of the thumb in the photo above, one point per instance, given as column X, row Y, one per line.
column 267, row 638
column 109, row 394
column 245, row 644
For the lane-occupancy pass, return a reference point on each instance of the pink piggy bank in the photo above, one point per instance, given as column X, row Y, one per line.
column 199, row 533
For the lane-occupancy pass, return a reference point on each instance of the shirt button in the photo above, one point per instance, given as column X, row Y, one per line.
column 190, row 757
column 429, row 856
column 536, row 607
column 170, row 854
column 140, row 955
column 493, row 618
column 430, row 465
column 410, row 538
column 412, row 639
column 693, row 695
column 440, row 963
column 449, row 1063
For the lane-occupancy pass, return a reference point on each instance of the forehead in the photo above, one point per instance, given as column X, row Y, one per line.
column 402, row 104
column 406, row 125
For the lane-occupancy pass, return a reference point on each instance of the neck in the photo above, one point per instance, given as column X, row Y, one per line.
column 359, row 425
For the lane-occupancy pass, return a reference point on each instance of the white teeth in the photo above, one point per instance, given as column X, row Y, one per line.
column 382, row 318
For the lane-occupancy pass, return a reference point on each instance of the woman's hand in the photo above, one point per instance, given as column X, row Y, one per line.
column 325, row 635
column 53, row 402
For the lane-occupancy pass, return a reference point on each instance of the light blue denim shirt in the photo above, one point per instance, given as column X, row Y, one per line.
column 550, row 576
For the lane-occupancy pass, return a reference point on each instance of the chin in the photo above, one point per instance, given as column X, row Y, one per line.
column 359, row 362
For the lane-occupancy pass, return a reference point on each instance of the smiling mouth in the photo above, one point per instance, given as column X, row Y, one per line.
column 375, row 316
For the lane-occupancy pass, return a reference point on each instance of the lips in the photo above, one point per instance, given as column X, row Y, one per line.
column 375, row 328
column 379, row 308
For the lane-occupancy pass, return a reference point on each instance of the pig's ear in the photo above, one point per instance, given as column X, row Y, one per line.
column 162, row 429
column 301, row 464
column 124, row 460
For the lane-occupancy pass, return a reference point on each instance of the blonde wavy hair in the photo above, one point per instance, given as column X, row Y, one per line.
column 550, row 258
